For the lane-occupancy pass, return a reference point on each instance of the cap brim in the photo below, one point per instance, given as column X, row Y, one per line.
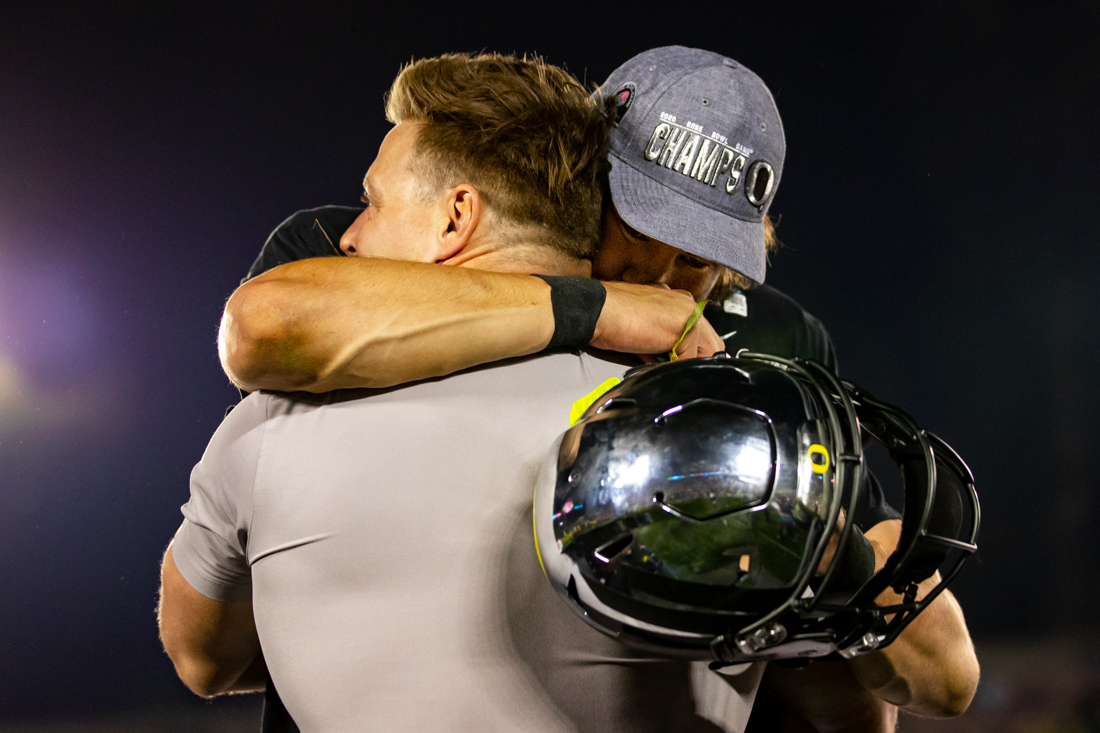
column 666, row 215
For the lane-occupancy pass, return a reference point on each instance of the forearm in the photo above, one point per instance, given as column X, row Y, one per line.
column 931, row 668
column 213, row 645
column 209, row 677
column 331, row 323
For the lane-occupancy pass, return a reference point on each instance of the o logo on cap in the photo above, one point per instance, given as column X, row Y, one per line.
column 819, row 458
column 758, row 185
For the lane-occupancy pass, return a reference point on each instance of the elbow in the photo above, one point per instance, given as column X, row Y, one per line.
column 937, row 686
column 951, row 694
column 257, row 339
column 197, row 671
column 961, row 685
column 199, row 676
column 250, row 327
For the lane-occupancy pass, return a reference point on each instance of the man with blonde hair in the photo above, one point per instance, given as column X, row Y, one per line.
column 375, row 543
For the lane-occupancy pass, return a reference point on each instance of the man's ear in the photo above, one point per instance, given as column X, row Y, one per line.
column 463, row 212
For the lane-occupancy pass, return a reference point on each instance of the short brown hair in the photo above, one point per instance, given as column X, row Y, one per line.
column 525, row 133
column 730, row 281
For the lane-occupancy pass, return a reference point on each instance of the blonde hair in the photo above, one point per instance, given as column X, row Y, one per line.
column 525, row 133
column 730, row 281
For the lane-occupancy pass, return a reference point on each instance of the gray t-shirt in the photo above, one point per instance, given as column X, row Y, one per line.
column 385, row 539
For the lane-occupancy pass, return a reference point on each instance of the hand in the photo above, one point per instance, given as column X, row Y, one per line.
column 649, row 319
column 701, row 340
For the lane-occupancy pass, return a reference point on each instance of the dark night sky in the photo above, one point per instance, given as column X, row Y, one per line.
column 938, row 207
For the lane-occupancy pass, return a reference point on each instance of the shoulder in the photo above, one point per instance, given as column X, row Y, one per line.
column 768, row 320
column 777, row 302
column 545, row 374
column 305, row 234
column 519, row 383
column 240, row 431
column 787, row 308
column 335, row 220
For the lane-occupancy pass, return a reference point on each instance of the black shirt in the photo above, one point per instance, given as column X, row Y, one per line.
column 307, row 233
column 764, row 320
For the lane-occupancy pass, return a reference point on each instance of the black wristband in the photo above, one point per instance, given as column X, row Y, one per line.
column 577, row 302
column 857, row 563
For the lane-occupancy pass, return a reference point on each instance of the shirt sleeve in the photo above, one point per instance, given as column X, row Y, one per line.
column 210, row 548
column 305, row 234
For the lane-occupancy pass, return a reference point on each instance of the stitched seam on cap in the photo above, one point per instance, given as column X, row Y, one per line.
column 669, row 86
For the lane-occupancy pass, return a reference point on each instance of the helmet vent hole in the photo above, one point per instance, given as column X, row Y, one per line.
column 608, row 551
column 571, row 589
column 617, row 403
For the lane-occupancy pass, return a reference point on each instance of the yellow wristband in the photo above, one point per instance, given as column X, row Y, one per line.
column 695, row 316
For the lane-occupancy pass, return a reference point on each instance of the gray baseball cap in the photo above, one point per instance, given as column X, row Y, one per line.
column 696, row 153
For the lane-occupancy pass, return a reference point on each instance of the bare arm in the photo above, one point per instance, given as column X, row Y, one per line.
column 931, row 668
column 213, row 645
column 332, row 323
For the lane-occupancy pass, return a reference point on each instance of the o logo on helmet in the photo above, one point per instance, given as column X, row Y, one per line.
column 819, row 458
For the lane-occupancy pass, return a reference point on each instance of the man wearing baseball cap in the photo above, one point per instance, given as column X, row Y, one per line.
column 696, row 157
column 697, row 154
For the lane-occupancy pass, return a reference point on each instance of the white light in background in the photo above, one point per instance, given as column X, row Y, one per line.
column 50, row 377
column 11, row 390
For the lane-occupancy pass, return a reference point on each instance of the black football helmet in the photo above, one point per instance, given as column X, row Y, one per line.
column 688, row 510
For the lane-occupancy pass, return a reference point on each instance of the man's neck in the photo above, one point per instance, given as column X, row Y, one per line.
column 521, row 259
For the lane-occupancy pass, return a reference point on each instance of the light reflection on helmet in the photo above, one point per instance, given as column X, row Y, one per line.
column 688, row 510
